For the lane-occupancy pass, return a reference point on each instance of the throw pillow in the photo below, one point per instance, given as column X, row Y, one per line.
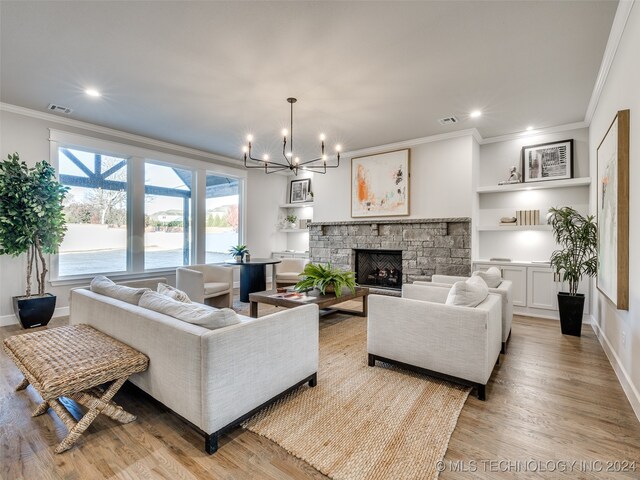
column 173, row 292
column 108, row 288
column 202, row 315
column 469, row 293
column 492, row 277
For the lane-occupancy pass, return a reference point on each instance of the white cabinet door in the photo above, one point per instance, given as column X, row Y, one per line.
column 542, row 289
column 516, row 275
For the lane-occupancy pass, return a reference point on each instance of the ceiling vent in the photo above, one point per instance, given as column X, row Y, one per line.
column 448, row 120
column 59, row 109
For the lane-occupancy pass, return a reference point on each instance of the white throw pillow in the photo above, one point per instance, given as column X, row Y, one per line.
column 173, row 292
column 491, row 276
column 106, row 287
column 469, row 293
column 202, row 315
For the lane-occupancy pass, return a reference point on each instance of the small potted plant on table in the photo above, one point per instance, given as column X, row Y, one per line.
column 31, row 221
column 577, row 257
column 238, row 252
column 326, row 279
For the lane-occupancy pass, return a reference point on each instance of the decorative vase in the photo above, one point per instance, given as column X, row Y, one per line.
column 238, row 258
column 571, row 308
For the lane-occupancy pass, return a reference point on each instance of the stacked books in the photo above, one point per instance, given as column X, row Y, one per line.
column 528, row 217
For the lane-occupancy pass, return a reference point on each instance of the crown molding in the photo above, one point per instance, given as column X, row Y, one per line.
column 147, row 141
column 470, row 132
column 540, row 131
column 617, row 29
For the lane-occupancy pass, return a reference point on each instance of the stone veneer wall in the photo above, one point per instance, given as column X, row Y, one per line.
column 429, row 246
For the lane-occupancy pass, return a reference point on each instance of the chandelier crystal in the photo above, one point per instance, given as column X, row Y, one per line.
column 290, row 162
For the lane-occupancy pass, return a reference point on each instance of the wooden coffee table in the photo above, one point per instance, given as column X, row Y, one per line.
column 271, row 297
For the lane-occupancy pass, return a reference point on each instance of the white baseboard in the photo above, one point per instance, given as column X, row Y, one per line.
column 6, row 320
column 628, row 387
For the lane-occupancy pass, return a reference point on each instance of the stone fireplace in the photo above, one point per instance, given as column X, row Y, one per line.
column 426, row 246
column 379, row 268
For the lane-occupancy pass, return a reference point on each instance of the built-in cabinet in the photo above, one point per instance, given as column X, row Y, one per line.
column 290, row 254
column 535, row 287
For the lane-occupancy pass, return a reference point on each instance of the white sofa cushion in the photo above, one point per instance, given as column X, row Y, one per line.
column 105, row 286
column 491, row 276
column 469, row 293
column 202, row 315
column 173, row 292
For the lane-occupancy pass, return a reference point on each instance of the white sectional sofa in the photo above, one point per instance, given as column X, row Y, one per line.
column 215, row 379
column 505, row 290
column 420, row 332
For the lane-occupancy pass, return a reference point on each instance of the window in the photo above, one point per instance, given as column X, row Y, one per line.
column 167, row 213
column 96, row 213
column 222, row 217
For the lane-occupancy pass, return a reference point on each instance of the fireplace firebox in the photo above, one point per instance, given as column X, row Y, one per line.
column 379, row 268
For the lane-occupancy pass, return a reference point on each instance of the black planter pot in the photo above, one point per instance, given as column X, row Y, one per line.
column 571, row 308
column 34, row 311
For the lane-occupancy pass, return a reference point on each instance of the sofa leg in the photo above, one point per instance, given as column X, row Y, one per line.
column 371, row 361
column 313, row 381
column 211, row 443
column 504, row 348
column 481, row 392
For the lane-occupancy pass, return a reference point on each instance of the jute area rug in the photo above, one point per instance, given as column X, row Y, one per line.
column 364, row 422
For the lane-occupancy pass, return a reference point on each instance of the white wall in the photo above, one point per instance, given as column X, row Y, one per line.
column 29, row 137
column 622, row 91
column 441, row 185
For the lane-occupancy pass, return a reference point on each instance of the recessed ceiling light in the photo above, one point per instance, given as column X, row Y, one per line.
column 92, row 92
column 529, row 128
column 475, row 114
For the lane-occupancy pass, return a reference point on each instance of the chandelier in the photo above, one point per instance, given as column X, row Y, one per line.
column 289, row 162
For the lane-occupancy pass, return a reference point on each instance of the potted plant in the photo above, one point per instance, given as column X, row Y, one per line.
column 291, row 220
column 326, row 279
column 238, row 252
column 32, row 222
column 577, row 257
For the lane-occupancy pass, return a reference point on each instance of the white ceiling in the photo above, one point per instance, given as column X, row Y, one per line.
column 204, row 74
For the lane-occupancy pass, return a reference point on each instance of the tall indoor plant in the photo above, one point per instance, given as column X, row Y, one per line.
column 577, row 257
column 32, row 222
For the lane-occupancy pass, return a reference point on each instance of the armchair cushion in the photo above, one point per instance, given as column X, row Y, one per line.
column 105, row 286
column 288, row 276
column 491, row 276
column 195, row 314
column 469, row 293
column 173, row 292
column 215, row 287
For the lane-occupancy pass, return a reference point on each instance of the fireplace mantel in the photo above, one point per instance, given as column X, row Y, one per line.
column 429, row 246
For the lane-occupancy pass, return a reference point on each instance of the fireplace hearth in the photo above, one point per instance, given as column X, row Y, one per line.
column 379, row 268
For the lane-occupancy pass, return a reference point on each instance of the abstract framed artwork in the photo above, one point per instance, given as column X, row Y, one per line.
column 547, row 161
column 380, row 184
column 613, row 212
column 299, row 190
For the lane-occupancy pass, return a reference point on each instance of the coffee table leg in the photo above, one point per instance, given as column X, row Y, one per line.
column 365, row 305
column 253, row 309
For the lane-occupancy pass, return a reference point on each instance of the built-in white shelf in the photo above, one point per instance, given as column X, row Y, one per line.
column 506, row 228
column 297, row 205
column 512, row 187
column 294, row 230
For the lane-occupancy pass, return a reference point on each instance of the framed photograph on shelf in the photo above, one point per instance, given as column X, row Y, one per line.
column 300, row 190
column 380, row 184
column 613, row 212
column 548, row 161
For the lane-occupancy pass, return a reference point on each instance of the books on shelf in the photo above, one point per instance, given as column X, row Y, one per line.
column 527, row 217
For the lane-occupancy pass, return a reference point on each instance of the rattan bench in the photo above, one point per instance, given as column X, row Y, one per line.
column 74, row 361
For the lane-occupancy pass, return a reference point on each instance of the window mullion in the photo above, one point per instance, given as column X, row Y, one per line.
column 135, row 216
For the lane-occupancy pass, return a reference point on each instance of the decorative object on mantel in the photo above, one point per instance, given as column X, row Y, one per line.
column 299, row 190
column 613, row 212
column 528, row 217
column 514, row 177
column 509, row 221
column 31, row 221
column 548, row 161
column 577, row 257
column 380, row 184
column 290, row 162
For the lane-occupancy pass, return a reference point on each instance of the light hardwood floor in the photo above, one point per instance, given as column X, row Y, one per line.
column 552, row 398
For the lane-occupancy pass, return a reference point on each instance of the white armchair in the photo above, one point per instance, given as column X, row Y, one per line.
column 288, row 271
column 419, row 331
column 210, row 284
column 505, row 290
